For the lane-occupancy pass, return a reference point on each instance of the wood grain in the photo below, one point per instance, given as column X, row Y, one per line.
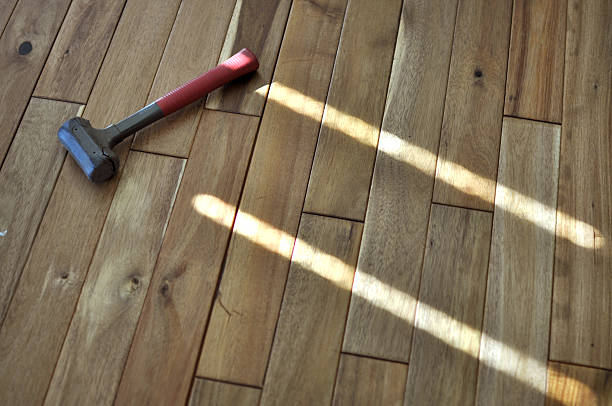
column 32, row 29
column 6, row 9
column 241, row 329
column 169, row 335
column 186, row 56
column 342, row 169
column 534, row 85
column 98, row 340
column 574, row 385
column 367, row 381
column 78, row 51
column 51, row 281
column 582, row 327
column 211, row 393
column 306, row 348
column 259, row 26
column 448, row 319
column 398, row 208
column 469, row 145
column 26, row 182
column 514, row 346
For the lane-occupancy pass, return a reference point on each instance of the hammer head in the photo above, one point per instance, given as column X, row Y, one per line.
column 90, row 147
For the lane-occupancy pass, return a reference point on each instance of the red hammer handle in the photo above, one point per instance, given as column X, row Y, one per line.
column 240, row 64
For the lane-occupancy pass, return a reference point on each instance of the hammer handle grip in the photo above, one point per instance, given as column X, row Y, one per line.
column 239, row 64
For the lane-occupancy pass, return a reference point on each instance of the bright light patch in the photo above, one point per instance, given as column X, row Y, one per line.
column 214, row 208
column 529, row 209
column 452, row 332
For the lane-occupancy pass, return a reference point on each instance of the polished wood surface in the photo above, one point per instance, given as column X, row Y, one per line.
column 515, row 332
column 581, row 328
column 474, row 105
column 247, row 305
column 303, row 366
column 400, row 196
column 451, row 299
column 342, row 168
column 534, row 86
column 409, row 202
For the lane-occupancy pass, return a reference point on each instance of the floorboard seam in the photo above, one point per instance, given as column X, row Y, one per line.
column 576, row 364
column 106, row 50
column 31, row 245
column 59, row 173
column 8, row 20
column 246, row 174
column 486, row 293
column 231, row 112
column 348, row 305
column 12, row 294
column 158, row 153
column 107, row 212
column 431, row 202
column 331, row 216
column 331, row 79
column 461, row 207
column 552, row 279
column 531, row 119
column 354, row 354
column 148, row 292
column 36, row 81
column 81, row 103
column 246, row 385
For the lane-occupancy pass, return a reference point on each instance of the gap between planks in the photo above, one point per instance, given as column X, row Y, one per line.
column 57, row 100
column 532, row 119
column 575, row 364
column 194, row 373
column 105, row 53
column 332, row 216
column 35, row 82
column 331, row 76
column 373, row 357
column 245, row 385
column 223, row 262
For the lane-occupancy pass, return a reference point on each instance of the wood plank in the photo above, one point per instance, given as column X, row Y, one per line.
column 51, row 281
column 514, row 346
column 24, row 47
column 6, row 9
column 259, row 26
column 398, row 208
column 211, row 393
column 306, row 349
column 169, row 335
column 534, row 85
column 367, row 381
column 99, row 337
column 78, row 51
column 581, row 326
column 469, row 145
column 26, row 182
column 448, row 319
column 574, row 385
column 180, row 63
column 238, row 341
column 342, row 169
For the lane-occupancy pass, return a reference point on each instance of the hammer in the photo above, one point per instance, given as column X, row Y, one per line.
column 92, row 148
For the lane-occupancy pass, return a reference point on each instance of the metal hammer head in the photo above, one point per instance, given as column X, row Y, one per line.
column 91, row 148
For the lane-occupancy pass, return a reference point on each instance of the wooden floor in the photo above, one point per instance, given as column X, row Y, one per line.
column 409, row 203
